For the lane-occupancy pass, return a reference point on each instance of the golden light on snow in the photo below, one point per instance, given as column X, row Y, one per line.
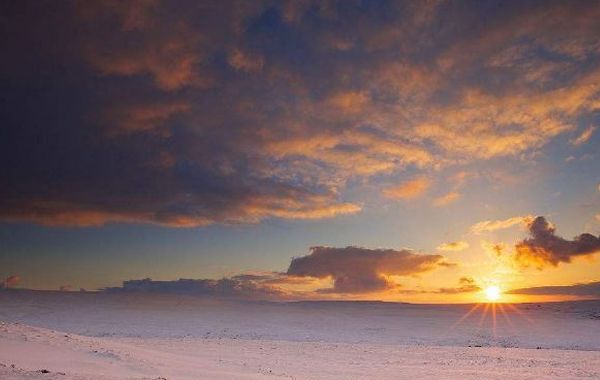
column 492, row 293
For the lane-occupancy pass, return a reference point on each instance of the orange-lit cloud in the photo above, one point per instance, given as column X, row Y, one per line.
column 141, row 117
column 544, row 247
column 361, row 270
column 408, row 190
column 465, row 285
column 453, row 246
column 584, row 136
column 493, row 225
column 214, row 115
column 446, row 199
column 351, row 270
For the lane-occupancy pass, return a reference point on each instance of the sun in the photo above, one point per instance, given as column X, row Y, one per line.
column 492, row 293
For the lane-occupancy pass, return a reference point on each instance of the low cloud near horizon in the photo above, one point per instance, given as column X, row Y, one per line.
column 580, row 289
column 465, row 285
column 353, row 270
column 361, row 270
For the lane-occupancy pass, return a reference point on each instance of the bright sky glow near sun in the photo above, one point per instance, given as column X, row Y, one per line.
column 431, row 151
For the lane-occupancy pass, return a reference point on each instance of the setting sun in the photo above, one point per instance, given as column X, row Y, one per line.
column 492, row 293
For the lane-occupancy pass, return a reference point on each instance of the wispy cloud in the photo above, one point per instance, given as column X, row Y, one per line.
column 410, row 189
column 453, row 246
column 465, row 285
column 446, row 199
column 584, row 136
column 493, row 225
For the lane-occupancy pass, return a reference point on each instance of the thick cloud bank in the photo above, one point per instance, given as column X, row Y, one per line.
column 187, row 113
column 361, row 270
column 544, row 247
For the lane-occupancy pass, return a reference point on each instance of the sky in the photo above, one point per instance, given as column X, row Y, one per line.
column 390, row 150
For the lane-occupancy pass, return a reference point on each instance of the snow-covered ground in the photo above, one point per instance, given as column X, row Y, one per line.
column 120, row 336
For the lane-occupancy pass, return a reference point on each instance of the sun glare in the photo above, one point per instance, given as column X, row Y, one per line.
column 492, row 293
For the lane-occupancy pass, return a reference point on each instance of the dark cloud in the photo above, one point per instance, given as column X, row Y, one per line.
column 584, row 289
column 242, row 287
column 361, row 270
column 353, row 270
column 544, row 247
column 190, row 113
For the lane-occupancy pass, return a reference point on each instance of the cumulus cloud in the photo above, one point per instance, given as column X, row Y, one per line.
column 408, row 190
column 361, row 270
column 453, row 246
column 544, row 247
column 493, row 225
column 11, row 281
column 581, row 289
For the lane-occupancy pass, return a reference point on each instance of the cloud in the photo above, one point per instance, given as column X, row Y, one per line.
column 453, row 246
column 446, row 199
column 245, row 62
column 361, row 270
column 493, row 249
column 544, row 247
column 233, row 112
column 167, row 50
column 465, row 285
column 493, row 225
column 11, row 281
column 142, row 117
column 354, row 270
column 185, row 211
column 239, row 287
column 408, row 190
column 584, row 136
column 580, row 289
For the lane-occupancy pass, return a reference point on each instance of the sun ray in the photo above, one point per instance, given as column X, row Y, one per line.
column 471, row 311
column 521, row 314
column 483, row 315
column 505, row 316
